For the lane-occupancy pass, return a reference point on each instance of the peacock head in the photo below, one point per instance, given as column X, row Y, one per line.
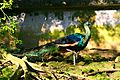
column 87, row 23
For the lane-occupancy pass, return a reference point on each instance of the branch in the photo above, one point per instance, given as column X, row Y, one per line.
column 5, row 15
column 108, row 71
column 103, row 49
column 54, row 75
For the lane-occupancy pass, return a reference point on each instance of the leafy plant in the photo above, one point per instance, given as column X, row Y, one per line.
column 7, row 72
column 8, row 27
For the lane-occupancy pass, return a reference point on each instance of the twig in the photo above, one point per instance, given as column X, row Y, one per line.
column 108, row 71
column 104, row 49
column 54, row 76
column 63, row 75
column 18, row 55
column 3, row 64
column 5, row 15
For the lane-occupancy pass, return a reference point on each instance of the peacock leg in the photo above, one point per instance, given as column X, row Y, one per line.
column 74, row 56
column 74, row 59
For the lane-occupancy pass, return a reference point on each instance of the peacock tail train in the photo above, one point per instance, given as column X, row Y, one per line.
column 41, row 50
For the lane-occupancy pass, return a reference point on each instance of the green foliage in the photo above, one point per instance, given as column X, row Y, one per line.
column 56, row 34
column 87, row 58
column 105, row 35
column 7, row 72
column 102, row 76
column 3, row 78
column 6, row 4
column 8, row 28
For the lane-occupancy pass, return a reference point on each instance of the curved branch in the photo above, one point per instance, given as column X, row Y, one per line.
column 107, row 71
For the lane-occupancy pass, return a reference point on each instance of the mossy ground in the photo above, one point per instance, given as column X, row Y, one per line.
column 88, row 68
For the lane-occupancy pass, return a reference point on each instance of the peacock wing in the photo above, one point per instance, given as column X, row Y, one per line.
column 70, row 39
column 64, row 40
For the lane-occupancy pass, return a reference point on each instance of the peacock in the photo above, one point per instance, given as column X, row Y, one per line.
column 71, row 43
